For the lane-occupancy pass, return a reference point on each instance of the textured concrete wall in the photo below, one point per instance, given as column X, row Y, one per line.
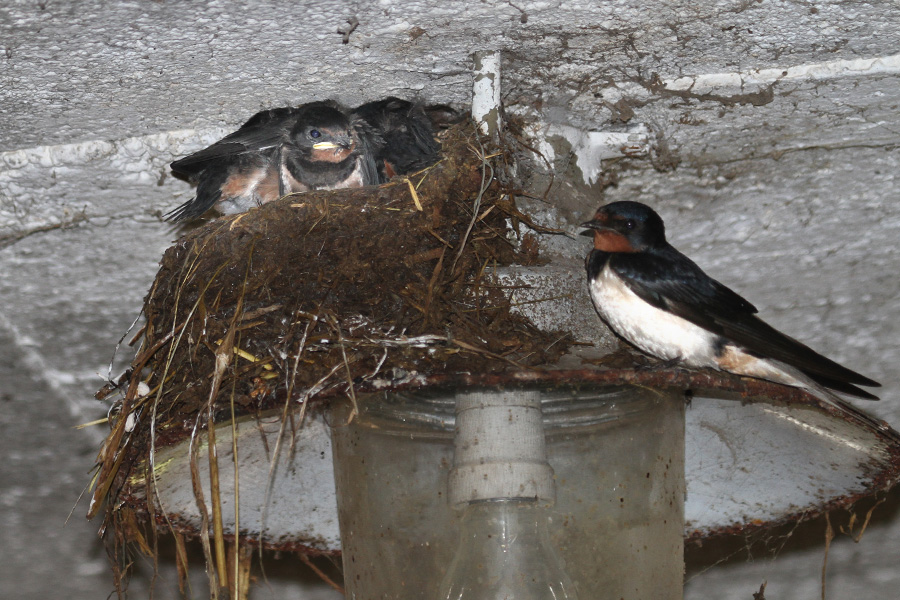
column 773, row 130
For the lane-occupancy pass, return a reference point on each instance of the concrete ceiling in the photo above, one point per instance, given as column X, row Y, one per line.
column 85, row 71
column 772, row 137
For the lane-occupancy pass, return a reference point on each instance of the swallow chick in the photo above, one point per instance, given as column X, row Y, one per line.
column 407, row 134
column 279, row 151
column 660, row 301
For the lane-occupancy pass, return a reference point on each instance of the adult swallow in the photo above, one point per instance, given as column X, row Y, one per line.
column 660, row 301
column 316, row 146
column 407, row 134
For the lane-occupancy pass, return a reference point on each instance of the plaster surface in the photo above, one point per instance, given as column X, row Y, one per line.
column 772, row 146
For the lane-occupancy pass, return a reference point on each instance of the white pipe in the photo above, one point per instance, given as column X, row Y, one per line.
column 486, row 92
column 500, row 451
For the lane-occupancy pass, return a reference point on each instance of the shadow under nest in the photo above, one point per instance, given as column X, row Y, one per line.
column 322, row 295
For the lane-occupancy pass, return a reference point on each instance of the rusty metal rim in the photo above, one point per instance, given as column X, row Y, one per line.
column 699, row 383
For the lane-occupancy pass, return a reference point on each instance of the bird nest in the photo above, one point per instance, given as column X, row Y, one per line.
column 321, row 295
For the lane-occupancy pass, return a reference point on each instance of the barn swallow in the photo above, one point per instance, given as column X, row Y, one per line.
column 407, row 134
column 660, row 301
column 316, row 146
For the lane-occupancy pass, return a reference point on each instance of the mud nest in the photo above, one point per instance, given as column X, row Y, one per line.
column 328, row 294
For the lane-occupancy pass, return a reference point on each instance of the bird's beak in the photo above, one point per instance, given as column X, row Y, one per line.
column 593, row 225
column 341, row 142
column 325, row 146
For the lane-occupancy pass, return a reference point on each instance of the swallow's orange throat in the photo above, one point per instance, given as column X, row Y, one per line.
column 332, row 155
column 606, row 240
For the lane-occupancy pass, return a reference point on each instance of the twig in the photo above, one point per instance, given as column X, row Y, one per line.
column 761, row 594
column 320, row 573
column 349, row 374
column 829, row 535
column 414, row 194
column 223, row 358
column 856, row 538
column 224, row 354
column 485, row 183
column 238, row 591
column 193, row 450
column 276, row 453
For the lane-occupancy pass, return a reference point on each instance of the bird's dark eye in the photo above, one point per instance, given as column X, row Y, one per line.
column 314, row 133
column 629, row 224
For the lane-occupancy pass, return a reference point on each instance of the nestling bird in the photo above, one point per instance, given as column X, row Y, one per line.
column 407, row 134
column 658, row 300
column 316, row 146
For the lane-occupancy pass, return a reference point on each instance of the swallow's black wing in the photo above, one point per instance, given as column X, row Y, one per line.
column 443, row 116
column 670, row 281
column 257, row 141
column 209, row 190
column 263, row 131
column 231, row 176
column 407, row 136
column 370, row 145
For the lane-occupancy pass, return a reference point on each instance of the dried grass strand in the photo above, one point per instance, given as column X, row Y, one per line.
column 476, row 205
column 321, row 574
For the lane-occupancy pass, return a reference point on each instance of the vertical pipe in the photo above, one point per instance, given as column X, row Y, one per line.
column 486, row 92
column 500, row 451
